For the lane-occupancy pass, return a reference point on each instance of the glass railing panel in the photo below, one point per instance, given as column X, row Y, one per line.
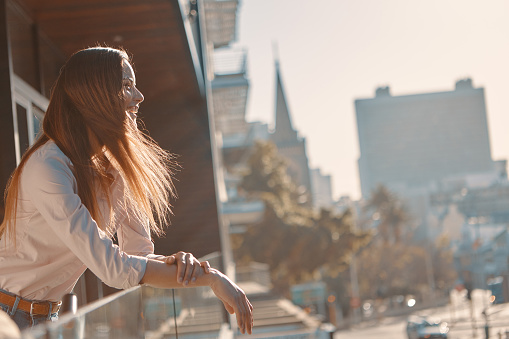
column 143, row 312
column 117, row 316
column 161, row 309
column 199, row 314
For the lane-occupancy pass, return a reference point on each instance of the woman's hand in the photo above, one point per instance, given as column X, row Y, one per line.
column 187, row 264
column 160, row 274
column 234, row 300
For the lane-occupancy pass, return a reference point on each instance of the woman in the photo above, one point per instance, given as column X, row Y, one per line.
column 90, row 175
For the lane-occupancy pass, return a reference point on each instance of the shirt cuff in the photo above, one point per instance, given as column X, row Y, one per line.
column 136, row 272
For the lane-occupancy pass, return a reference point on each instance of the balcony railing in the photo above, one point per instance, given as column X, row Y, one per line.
column 143, row 312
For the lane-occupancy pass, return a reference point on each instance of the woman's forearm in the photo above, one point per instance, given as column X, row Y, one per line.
column 160, row 274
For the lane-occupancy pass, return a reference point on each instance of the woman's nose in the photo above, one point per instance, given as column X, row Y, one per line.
column 139, row 96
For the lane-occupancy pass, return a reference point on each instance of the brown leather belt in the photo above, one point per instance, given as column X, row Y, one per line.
column 33, row 307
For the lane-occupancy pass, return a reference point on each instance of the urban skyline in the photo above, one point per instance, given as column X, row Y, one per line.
column 412, row 47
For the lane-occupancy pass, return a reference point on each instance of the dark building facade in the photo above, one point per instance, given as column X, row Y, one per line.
column 36, row 37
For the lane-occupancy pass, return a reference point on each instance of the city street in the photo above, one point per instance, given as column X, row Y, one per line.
column 457, row 314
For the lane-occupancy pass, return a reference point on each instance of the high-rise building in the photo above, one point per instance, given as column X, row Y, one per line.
column 424, row 142
column 322, row 189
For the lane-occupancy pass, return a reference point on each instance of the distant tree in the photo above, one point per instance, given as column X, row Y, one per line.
column 444, row 273
column 391, row 269
column 394, row 266
column 297, row 243
column 390, row 213
column 267, row 179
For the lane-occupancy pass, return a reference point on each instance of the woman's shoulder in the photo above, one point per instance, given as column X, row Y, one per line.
column 48, row 156
column 48, row 150
column 47, row 170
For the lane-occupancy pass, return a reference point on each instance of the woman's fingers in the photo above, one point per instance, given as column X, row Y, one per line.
column 180, row 260
column 250, row 320
column 181, row 267
column 206, row 266
column 247, row 308
column 170, row 259
column 191, row 264
column 234, row 299
column 187, row 267
column 241, row 318
column 244, row 313
column 246, row 316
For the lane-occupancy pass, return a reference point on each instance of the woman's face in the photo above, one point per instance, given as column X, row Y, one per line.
column 132, row 96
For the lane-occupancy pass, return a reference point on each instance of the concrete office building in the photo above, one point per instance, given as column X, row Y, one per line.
column 417, row 144
column 322, row 189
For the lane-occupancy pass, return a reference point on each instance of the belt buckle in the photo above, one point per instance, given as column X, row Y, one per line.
column 48, row 303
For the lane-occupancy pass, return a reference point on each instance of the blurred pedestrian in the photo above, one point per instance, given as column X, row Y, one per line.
column 90, row 175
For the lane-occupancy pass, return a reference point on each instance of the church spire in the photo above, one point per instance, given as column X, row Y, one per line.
column 283, row 131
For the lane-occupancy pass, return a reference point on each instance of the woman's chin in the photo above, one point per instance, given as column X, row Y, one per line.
column 132, row 116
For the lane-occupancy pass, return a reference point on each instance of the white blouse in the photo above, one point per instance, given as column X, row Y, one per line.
column 57, row 239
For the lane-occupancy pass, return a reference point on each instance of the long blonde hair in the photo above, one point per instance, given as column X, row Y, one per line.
column 86, row 111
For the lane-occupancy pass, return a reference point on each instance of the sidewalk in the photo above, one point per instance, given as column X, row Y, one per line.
column 466, row 319
column 467, row 326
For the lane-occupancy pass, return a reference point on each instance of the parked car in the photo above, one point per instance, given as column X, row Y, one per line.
column 426, row 328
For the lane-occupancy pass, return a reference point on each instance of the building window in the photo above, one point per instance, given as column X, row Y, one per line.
column 30, row 106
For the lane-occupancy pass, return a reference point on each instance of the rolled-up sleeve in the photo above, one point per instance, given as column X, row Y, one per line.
column 49, row 182
column 134, row 238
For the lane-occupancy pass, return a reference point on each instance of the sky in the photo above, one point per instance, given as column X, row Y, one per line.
column 332, row 52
